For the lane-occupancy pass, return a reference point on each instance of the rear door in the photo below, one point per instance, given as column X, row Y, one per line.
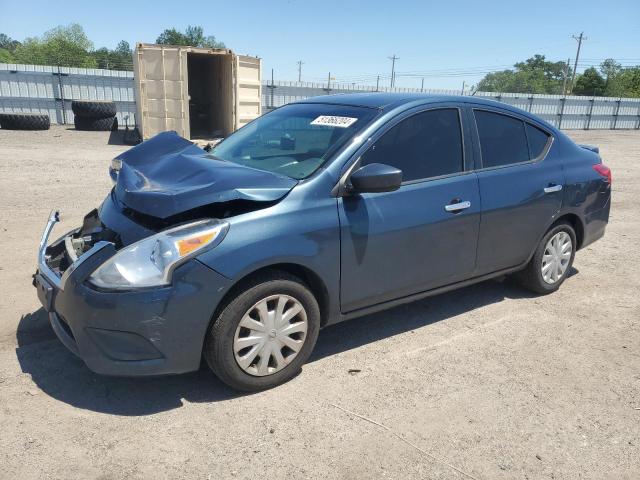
column 520, row 186
column 421, row 236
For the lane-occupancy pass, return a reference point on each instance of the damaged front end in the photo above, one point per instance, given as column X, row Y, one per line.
column 116, row 288
column 130, row 331
column 55, row 261
column 165, row 188
column 170, row 179
column 61, row 254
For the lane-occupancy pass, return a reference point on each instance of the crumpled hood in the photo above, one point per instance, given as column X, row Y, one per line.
column 168, row 175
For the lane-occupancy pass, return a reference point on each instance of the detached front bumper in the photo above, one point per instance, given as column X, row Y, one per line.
column 143, row 332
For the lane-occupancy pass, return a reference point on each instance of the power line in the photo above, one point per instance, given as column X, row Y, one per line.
column 474, row 71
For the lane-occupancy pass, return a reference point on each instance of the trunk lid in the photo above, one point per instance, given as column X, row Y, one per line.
column 168, row 175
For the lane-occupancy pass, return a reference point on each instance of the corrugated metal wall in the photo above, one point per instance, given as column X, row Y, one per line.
column 45, row 89
column 572, row 112
column 37, row 88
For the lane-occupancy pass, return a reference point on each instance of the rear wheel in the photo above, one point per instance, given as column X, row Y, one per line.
column 552, row 260
column 264, row 335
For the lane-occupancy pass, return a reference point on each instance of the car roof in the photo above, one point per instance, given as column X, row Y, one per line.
column 389, row 101
column 377, row 100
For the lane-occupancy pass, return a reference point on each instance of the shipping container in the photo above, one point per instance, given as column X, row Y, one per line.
column 201, row 93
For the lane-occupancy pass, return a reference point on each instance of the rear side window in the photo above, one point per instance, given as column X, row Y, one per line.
column 537, row 140
column 425, row 145
column 502, row 139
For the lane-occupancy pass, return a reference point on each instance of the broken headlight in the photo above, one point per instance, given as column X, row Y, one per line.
column 150, row 262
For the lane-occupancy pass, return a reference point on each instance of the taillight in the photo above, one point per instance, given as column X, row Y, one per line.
column 604, row 171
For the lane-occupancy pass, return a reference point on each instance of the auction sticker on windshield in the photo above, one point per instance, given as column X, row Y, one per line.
column 333, row 121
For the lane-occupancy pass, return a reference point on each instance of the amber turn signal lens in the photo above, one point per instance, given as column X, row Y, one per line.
column 188, row 245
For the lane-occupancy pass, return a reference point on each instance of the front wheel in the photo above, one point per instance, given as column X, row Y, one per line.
column 264, row 335
column 551, row 261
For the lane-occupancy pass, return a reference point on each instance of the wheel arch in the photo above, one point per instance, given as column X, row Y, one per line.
column 572, row 219
column 576, row 222
column 310, row 278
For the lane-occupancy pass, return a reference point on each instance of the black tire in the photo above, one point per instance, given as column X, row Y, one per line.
column 94, row 109
column 531, row 277
column 24, row 121
column 218, row 348
column 95, row 124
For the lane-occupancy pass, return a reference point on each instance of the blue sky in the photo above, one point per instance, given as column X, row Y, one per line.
column 444, row 42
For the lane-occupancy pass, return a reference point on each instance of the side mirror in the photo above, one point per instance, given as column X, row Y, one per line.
column 375, row 178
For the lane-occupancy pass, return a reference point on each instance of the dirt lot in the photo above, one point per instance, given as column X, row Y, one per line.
column 488, row 382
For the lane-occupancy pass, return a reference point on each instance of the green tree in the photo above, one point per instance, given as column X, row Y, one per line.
column 30, row 51
column 552, row 71
column 629, row 81
column 72, row 34
column 610, row 68
column 117, row 59
column 193, row 36
column 497, row 81
column 8, row 43
column 6, row 56
column 534, row 75
column 590, row 83
column 123, row 49
column 63, row 45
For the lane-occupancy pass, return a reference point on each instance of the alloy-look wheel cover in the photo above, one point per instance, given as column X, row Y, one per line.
column 270, row 335
column 556, row 257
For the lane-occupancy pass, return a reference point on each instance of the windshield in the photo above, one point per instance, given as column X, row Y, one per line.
column 294, row 140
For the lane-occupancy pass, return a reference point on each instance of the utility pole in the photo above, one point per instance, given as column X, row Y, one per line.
column 378, row 84
column 272, row 87
column 422, row 85
column 328, row 89
column 393, row 69
column 566, row 75
column 578, row 39
column 462, row 91
column 300, row 63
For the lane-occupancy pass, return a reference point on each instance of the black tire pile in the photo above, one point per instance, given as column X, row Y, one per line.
column 94, row 116
column 24, row 121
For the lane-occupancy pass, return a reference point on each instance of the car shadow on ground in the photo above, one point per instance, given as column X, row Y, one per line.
column 61, row 375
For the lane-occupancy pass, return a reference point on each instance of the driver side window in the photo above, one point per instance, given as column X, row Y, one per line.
column 425, row 145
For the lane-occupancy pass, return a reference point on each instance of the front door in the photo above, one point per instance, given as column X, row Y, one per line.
column 421, row 236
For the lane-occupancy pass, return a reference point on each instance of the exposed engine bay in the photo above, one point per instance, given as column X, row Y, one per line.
column 63, row 253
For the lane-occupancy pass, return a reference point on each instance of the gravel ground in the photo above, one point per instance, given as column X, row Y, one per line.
column 488, row 382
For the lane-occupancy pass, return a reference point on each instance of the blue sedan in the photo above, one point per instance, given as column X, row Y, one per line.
column 320, row 211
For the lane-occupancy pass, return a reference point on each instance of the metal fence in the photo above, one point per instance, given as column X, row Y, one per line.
column 570, row 112
column 46, row 89
column 50, row 90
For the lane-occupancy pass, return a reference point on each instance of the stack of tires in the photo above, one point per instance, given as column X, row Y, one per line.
column 95, row 116
column 24, row 121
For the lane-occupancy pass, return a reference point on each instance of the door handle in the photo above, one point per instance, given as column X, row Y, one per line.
column 456, row 207
column 552, row 188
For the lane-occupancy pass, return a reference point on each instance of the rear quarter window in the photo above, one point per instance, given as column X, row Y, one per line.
column 537, row 140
